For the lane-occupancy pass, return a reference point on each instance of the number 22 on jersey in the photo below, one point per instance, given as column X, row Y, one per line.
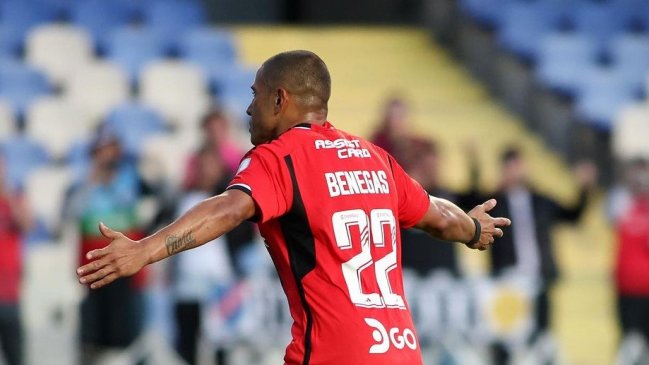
column 372, row 230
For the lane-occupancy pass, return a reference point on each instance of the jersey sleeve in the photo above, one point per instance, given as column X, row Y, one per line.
column 413, row 199
column 264, row 176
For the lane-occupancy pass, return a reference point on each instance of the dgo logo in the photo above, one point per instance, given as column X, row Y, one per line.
column 394, row 336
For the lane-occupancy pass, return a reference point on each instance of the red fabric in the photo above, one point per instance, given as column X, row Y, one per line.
column 632, row 269
column 339, row 193
column 10, row 255
column 90, row 243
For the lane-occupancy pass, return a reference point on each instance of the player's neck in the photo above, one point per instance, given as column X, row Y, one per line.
column 311, row 117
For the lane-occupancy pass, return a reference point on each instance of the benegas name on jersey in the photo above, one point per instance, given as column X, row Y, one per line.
column 357, row 182
column 346, row 148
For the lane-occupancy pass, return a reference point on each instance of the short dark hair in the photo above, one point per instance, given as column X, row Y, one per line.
column 301, row 73
column 511, row 153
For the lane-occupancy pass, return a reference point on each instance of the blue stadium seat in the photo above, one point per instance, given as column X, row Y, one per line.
column 525, row 24
column 78, row 159
column 21, row 84
column 9, row 42
column 214, row 51
column 133, row 123
column 235, row 92
column 601, row 96
column 101, row 17
column 630, row 56
column 20, row 16
column 562, row 59
column 603, row 21
column 170, row 19
column 22, row 155
column 132, row 48
column 487, row 13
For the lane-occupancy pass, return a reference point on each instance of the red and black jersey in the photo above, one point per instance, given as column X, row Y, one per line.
column 330, row 207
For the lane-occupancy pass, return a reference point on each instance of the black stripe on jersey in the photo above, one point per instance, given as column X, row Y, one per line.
column 301, row 250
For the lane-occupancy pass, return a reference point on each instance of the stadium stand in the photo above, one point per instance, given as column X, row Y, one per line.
column 7, row 121
column 56, row 124
column 178, row 89
column 170, row 19
column 100, row 17
column 134, row 123
column 58, row 50
column 97, row 88
column 132, row 48
column 21, row 84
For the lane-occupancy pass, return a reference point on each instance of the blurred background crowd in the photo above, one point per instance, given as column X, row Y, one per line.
column 129, row 112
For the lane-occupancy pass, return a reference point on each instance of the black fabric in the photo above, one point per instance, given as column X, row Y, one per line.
column 425, row 254
column 112, row 316
column 633, row 315
column 11, row 334
column 188, row 323
column 301, row 250
column 547, row 213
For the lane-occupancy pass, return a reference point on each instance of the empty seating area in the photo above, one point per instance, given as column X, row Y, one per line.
column 148, row 68
column 592, row 56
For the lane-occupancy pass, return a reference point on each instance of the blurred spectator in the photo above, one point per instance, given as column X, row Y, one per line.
column 111, row 317
column 196, row 274
column 393, row 129
column 526, row 248
column 216, row 135
column 15, row 220
column 420, row 252
column 632, row 263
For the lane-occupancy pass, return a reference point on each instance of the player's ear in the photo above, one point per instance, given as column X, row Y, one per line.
column 281, row 97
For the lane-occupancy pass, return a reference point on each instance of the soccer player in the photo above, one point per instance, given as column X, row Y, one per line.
column 329, row 206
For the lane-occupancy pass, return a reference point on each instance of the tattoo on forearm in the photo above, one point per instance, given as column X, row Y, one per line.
column 176, row 243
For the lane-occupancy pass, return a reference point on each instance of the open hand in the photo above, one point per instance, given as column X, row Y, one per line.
column 122, row 257
column 489, row 225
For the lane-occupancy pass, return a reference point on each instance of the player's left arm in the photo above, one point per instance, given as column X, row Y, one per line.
column 477, row 229
column 203, row 223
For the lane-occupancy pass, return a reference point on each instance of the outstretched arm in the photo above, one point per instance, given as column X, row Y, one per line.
column 203, row 223
column 447, row 221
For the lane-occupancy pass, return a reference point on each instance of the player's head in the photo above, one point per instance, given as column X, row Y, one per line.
column 514, row 172
column 290, row 88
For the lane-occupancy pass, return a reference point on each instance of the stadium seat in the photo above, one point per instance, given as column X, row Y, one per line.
column 100, row 17
column 7, row 120
column 524, row 25
column 212, row 50
column 177, row 89
column 234, row 91
column 630, row 55
column 10, row 40
column 562, row 59
column 56, row 124
column 97, row 88
column 170, row 19
column 602, row 21
column 629, row 134
column 21, row 84
column 59, row 50
column 487, row 13
column 158, row 161
column 132, row 48
column 601, row 96
column 20, row 16
column 22, row 155
column 134, row 123
column 45, row 188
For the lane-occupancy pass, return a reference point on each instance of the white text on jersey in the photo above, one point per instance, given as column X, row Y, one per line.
column 357, row 182
column 346, row 148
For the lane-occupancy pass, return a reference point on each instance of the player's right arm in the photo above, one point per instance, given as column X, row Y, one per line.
column 206, row 221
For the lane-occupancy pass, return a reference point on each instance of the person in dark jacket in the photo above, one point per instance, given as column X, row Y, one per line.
column 526, row 248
